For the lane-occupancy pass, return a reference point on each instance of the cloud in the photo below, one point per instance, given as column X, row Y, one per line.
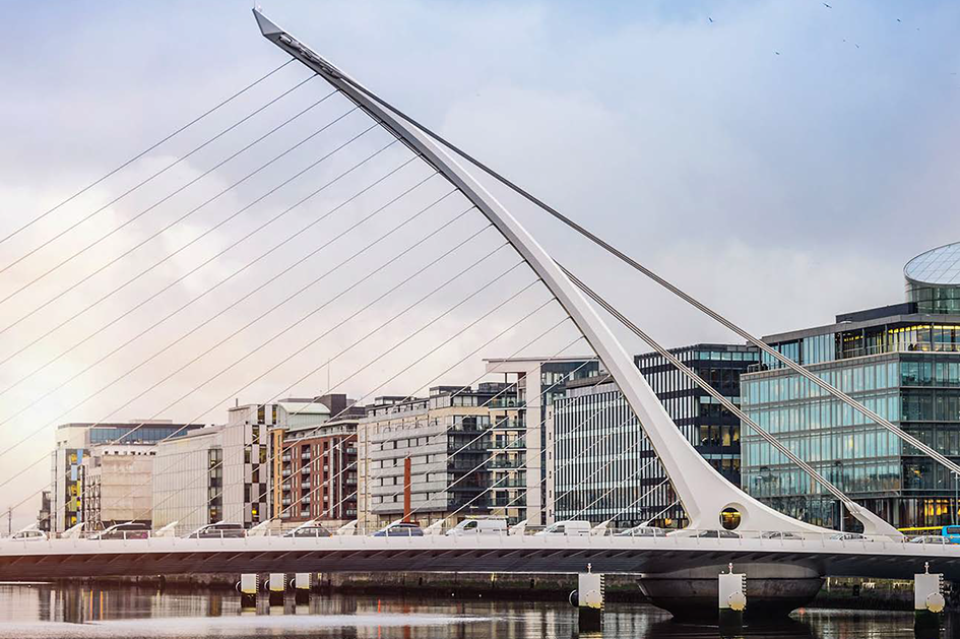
column 781, row 189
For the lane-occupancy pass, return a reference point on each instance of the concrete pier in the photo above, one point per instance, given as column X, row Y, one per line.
column 775, row 589
column 302, row 586
column 928, row 603
column 248, row 590
column 277, row 585
column 590, row 600
column 732, row 599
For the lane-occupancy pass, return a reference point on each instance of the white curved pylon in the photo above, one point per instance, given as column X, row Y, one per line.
column 703, row 492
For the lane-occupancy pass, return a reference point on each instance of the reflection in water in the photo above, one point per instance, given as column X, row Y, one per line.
column 29, row 612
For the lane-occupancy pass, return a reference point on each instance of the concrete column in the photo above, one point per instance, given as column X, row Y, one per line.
column 248, row 590
column 928, row 602
column 277, row 586
column 733, row 598
column 302, row 587
column 590, row 598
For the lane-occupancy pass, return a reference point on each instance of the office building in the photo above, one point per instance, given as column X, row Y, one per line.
column 74, row 441
column 605, row 467
column 426, row 458
column 520, row 476
column 117, row 484
column 901, row 361
column 217, row 473
column 316, row 461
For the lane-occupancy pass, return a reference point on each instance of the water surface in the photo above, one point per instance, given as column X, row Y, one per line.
column 35, row 611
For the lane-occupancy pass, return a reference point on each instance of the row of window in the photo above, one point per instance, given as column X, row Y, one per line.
column 851, row 379
column 823, row 447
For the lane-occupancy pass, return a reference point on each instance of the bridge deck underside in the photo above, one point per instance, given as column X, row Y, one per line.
column 133, row 561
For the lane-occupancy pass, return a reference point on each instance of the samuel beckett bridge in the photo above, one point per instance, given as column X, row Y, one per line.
column 484, row 282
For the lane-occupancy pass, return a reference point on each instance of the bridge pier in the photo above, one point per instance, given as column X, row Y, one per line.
column 301, row 583
column 590, row 600
column 277, row 584
column 732, row 590
column 775, row 589
column 248, row 590
column 928, row 603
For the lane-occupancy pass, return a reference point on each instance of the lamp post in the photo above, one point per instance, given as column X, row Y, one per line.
column 956, row 496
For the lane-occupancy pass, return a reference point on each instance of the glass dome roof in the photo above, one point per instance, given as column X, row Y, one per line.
column 941, row 266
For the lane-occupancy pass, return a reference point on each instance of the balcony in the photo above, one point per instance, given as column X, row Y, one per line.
column 517, row 444
column 505, row 464
column 506, row 402
column 509, row 424
column 509, row 483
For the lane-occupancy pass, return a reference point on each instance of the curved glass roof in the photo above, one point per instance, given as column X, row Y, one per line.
column 939, row 266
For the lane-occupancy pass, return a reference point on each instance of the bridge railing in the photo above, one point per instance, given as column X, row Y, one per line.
column 647, row 539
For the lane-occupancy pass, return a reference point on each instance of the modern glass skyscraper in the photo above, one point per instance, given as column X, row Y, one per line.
column 901, row 361
column 603, row 466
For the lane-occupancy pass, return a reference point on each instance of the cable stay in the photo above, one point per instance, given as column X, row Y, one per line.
column 143, row 153
column 430, row 144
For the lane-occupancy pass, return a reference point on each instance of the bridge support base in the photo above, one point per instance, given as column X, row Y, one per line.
column 301, row 583
column 775, row 590
column 277, row 586
column 590, row 599
column 928, row 603
column 248, row 591
column 732, row 591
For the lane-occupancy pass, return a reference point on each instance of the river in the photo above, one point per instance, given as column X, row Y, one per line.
column 35, row 611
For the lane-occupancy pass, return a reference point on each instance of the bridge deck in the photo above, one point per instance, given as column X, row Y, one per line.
column 169, row 556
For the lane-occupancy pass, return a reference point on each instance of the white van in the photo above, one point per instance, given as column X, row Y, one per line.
column 480, row 526
column 569, row 528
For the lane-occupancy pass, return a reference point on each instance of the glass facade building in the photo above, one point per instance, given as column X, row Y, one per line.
column 933, row 280
column 901, row 361
column 605, row 468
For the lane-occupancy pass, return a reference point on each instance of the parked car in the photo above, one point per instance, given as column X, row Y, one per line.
column 479, row 526
column 777, row 534
column 568, row 528
column 400, row 529
column 849, row 536
column 129, row 530
column 29, row 535
column 716, row 534
column 642, row 531
column 219, row 530
column 308, row 531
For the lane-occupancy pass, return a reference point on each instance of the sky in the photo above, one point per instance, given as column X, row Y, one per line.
column 780, row 160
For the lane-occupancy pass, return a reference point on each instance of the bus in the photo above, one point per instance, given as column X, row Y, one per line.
column 951, row 533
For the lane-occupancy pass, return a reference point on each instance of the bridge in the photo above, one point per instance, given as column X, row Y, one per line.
column 483, row 553
column 800, row 550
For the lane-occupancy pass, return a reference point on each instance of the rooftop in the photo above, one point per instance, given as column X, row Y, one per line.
column 940, row 266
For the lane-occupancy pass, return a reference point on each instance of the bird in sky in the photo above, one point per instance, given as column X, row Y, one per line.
column 827, row 5
column 710, row 19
